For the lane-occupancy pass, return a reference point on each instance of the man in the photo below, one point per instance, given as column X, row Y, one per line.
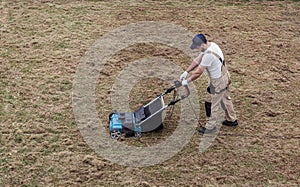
column 211, row 58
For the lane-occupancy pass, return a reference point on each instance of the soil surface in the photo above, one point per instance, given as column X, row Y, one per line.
column 42, row 43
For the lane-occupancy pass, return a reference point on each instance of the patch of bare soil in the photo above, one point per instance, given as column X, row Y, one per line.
column 42, row 44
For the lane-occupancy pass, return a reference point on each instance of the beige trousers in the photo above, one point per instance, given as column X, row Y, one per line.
column 220, row 98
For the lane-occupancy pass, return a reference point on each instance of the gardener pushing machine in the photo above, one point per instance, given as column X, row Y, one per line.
column 211, row 58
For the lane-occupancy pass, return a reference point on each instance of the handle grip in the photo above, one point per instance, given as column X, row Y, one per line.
column 178, row 84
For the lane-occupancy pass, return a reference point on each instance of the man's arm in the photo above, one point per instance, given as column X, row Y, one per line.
column 196, row 74
column 195, row 63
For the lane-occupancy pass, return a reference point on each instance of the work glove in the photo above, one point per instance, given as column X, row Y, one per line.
column 184, row 82
column 184, row 75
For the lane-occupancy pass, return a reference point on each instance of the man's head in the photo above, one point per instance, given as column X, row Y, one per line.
column 198, row 40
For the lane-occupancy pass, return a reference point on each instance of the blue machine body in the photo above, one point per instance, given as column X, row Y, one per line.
column 115, row 123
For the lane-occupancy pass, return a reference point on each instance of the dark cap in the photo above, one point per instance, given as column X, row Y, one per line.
column 198, row 40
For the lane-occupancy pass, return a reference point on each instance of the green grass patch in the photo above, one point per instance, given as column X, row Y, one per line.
column 66, row 86
column 5, row 53
column 61, row 45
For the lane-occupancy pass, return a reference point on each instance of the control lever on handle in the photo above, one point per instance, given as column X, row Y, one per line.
column 177, row 84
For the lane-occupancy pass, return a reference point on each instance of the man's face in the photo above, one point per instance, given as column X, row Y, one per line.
column 200, row 48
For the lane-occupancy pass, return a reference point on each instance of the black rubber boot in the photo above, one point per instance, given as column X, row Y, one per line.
column 207, row 108
column 230, row 123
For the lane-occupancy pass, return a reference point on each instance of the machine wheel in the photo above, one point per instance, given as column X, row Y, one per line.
column 109, row 116
column 115, row 134
column 138, row 134
column 159, row 128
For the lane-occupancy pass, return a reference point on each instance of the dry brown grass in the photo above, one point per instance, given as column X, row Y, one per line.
column 41, row 46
